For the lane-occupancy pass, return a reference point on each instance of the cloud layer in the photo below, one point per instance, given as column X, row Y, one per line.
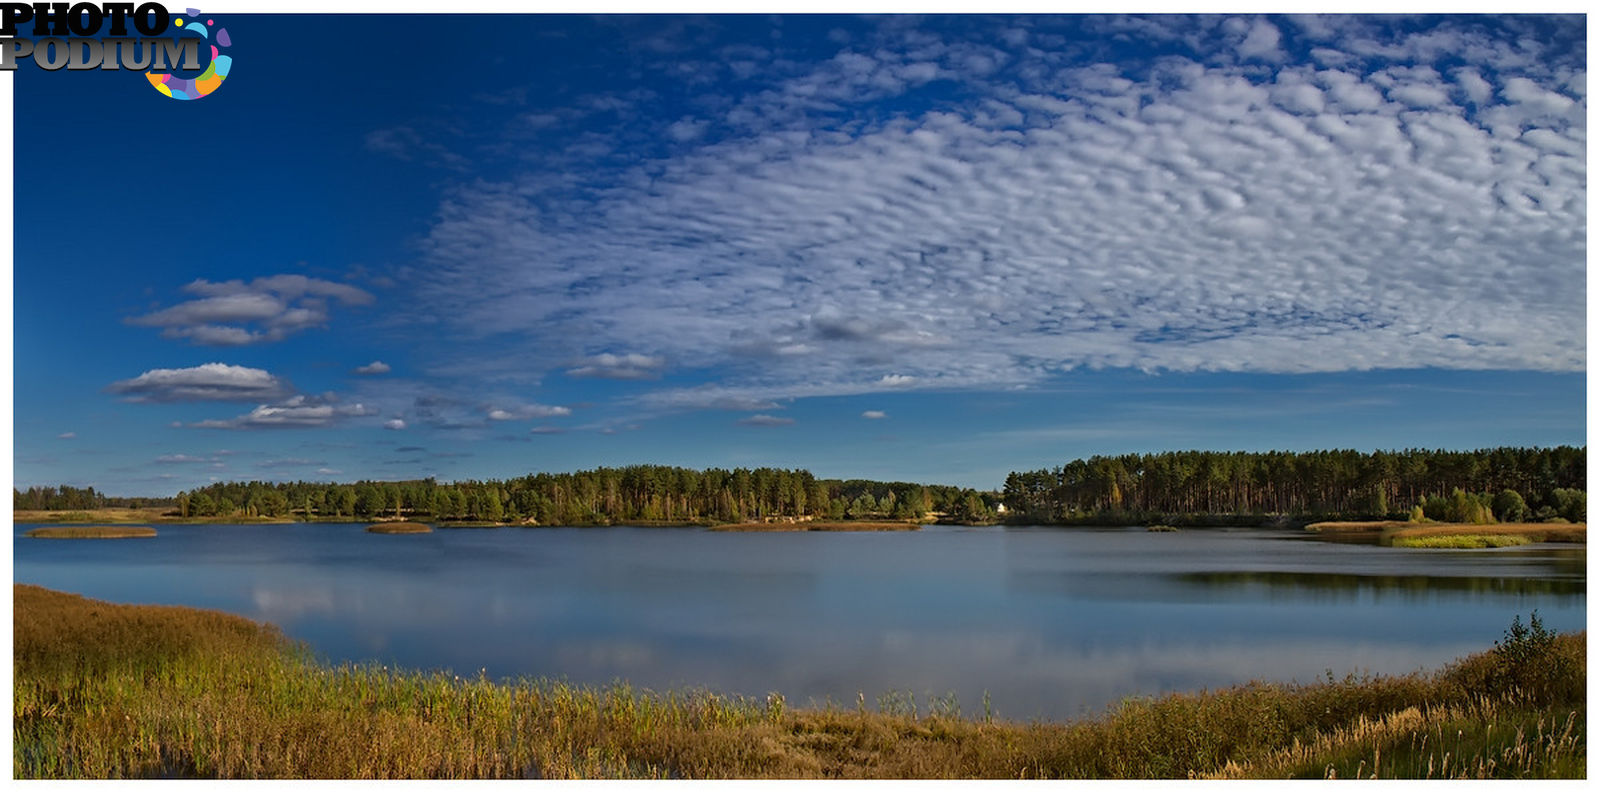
column 1270, row 195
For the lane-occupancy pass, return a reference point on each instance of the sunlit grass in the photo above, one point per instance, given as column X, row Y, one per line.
column 112, row 691
column 1461, row 541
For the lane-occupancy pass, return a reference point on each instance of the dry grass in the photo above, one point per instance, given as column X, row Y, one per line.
column 400, row 527
column 111, row 691
column 822, row 525
column 1531, row 532
column 90, row 532
column 1358, row 525
column 128, row 515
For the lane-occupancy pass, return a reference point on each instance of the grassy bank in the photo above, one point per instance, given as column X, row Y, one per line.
column 105, row 690
column 400, row 527
column 118, row 515
column 822, row 525
column 1508, row 533
column 90, row 532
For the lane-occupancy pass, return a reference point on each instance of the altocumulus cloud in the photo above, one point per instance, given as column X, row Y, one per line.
column 300, row 411
column 232, row 313
column 1252, row 194
column 206, row 382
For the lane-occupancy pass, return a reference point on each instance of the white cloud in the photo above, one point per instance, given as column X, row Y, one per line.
column 629, row 366
column 297, row 412
column 180, row 459
column 525, row 412
column 211, row 381
column 376, row 367
column 874, row 414
column 1187, row 213
column 67, row 436
column 233, row 313
column 394, row 424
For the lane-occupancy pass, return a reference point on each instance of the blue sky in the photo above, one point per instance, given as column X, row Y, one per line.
column 924, row 248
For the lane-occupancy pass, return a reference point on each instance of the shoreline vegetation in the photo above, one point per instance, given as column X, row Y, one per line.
column 104, row 690
column 91, row 532
column 1406, row 534
column 821, row 525
column 400, row 527
column 1183, row 489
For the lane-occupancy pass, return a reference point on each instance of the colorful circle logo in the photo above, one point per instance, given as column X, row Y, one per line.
column 209, row 80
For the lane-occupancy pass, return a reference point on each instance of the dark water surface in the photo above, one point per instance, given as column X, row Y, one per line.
column 1050, row 622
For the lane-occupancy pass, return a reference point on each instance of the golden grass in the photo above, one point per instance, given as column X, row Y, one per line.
column 822, row 525
column 128, row 515
column 400, row 527
column 1358, row 525
column 1534, row 532
column 1459, row 541
column 112, row 691
column 90, row 532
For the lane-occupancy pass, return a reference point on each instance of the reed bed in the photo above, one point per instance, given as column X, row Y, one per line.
column 400, row 527
column 1502, row 533
column 90, row 532
column 821, row 525
column 113, row 691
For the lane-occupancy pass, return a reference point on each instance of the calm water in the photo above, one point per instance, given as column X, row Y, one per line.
column 1051, row 623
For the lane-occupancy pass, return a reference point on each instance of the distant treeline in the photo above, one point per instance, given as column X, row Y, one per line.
column 1346, row 483
column 67, row 497
column 641, row 493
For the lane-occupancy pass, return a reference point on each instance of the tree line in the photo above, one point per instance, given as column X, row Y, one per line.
column 639, row 494
column 67, row 497
column 1336, row 483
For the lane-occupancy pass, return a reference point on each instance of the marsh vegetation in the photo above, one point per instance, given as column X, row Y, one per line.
column 90, row 532
column 400, row 527
column 112, row 691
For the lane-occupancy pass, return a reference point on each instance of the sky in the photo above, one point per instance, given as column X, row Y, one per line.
column 921, row 248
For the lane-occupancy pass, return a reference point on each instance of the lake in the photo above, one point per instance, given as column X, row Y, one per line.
column 1046, row 622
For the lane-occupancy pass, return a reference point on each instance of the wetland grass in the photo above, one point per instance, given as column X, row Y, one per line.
column 90, row 532
column 400, row 527
column 822, row 525
column 113, row 691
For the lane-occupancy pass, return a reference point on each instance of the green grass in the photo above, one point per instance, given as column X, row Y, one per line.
column 90, row 532
column 1460, row 541
column 113, row 691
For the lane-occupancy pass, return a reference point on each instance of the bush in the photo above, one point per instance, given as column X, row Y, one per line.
column 1530, row 664
column 1510, row 507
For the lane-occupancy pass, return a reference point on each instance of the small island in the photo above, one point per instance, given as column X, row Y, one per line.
column 1410, row 534
column 90, row 532
column 822, row 525
column 400, row 527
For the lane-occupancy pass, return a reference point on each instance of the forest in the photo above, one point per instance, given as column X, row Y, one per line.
column 632, row 494
column 1237, row 488
column 1509, row 483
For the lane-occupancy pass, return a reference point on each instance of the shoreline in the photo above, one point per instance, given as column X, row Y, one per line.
column 236, row 699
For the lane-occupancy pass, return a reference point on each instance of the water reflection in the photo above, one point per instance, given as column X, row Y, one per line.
column 1051, row 623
